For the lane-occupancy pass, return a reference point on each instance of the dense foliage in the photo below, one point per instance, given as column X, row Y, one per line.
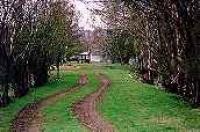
column 166, row 35
column 34, row 35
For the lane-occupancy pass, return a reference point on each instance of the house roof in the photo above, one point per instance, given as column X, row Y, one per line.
column 84, row 53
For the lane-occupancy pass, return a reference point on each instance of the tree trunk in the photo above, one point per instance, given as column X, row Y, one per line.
column 41, row 76
column 5, row 98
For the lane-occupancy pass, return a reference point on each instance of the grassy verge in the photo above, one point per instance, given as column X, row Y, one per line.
column 59, row 117
column 7, row 114
column 133, row 106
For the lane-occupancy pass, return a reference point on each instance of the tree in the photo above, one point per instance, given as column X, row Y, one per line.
column 34, row 35
column 167, row 45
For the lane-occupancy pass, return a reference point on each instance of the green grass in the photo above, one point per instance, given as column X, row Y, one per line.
column 59, row 117
column 136, row 107
column 129, row 105
column 8, row 113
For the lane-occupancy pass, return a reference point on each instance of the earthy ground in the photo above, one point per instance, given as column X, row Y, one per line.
column 86, row 112
column 30, row 118
column 68, row 67
column 127, row 106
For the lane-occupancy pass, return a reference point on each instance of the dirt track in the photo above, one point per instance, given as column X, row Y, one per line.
column 30, row 118
column 86, row 112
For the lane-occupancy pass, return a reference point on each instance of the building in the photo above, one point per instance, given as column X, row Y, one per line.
column 96, row 56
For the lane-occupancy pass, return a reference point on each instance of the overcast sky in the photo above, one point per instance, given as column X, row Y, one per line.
column 88, row 20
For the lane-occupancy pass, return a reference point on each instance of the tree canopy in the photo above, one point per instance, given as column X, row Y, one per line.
column 34, row 35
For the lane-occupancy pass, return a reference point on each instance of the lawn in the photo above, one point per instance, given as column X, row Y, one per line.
column 7, row 114
column 133, row 106
column 59, row 117
column 128, row 104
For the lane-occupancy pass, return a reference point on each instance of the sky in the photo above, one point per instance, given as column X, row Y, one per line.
column 88, row 20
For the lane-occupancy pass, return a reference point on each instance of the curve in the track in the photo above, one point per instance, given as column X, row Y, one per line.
column 86, row 111
column 30, row 118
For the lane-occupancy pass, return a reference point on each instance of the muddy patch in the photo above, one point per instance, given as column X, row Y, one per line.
column 86, row 109
column 30, row 118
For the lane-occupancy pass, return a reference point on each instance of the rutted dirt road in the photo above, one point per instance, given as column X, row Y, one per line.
column 86, row 111
column 30, row 118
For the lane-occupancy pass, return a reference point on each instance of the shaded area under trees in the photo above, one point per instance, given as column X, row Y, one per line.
column 34, row 35
column 165, row 38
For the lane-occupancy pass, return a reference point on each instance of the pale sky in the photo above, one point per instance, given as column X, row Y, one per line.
column 88, row 20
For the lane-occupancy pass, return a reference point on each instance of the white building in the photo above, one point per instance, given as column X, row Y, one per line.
column 96, row 56
column 93, row 57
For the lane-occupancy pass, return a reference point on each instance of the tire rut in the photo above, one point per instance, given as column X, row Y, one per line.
column 86, row 112
column 30, row 118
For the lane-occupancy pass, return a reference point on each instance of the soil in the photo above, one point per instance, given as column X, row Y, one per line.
column 30, row 118
column 86, row 109
column 69, row 67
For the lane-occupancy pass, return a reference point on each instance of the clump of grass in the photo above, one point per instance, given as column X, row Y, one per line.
column 133, row 106
column 8, row 113
column 59, row 116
